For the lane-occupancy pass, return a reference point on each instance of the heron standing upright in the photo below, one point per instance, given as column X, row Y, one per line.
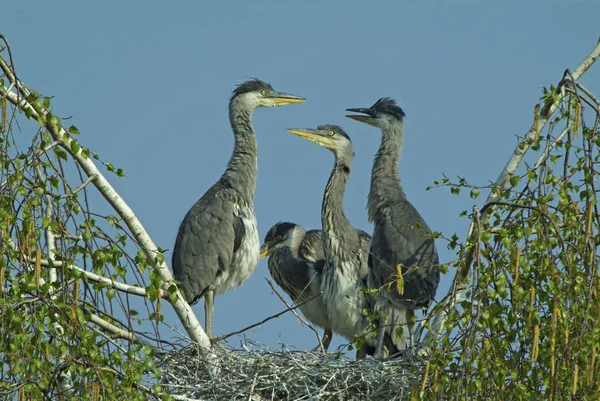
column 296, row 260
column 401, row 237
column 217, row 244
column 345, row 270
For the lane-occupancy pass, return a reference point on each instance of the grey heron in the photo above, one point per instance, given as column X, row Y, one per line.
column 296, row 260
column 402, row 243
column 346, row 253
column 217, row 244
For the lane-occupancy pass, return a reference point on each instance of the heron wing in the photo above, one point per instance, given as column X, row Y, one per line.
column 239, row 230
column 311, row 247
column 206, row 241
column 318, row 266
column 395, row 242
column 293, row 275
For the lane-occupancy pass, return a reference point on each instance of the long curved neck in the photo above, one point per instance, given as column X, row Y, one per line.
column 242, row 168
column 338, row 233
column 385, row 181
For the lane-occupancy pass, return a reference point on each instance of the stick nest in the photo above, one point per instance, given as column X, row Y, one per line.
column 256, row 372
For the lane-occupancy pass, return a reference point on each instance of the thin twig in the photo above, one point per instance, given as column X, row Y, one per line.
column 223, row 337
column 304, row 322
column 79, row 188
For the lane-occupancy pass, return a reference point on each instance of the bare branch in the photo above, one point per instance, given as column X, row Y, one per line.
column 304, row 322
column 79, row 188
column 544, row 157
column 264, row 320
column 116, row 331
column 588, row 93
column 128, row 288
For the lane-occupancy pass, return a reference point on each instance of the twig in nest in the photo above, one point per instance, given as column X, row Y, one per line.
column 304, row 322
column 220, row 338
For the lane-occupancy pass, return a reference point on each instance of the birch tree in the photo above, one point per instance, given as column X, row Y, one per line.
column 68, row 275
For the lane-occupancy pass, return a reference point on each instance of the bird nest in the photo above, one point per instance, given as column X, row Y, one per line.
column 256, row 372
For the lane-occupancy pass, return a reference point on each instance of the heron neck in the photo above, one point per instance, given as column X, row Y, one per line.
column 336, row 226
column 242, row 168
column 294, row 245
column 385, row 181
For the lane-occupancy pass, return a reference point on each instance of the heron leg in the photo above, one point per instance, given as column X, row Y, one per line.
column 379, row 348
column 410, row 324
column 389, row 345
column 209, row 307
column 327, row 335
column 361, row 353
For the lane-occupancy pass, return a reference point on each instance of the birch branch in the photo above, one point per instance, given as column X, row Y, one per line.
column 116, row 331
column 96, row 278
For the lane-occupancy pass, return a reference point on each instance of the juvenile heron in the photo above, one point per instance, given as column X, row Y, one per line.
column 217, row 244
column 296, row 260
column 401, row 237
column 345, row 270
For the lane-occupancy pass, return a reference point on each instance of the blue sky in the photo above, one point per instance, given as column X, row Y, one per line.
column 148, row 85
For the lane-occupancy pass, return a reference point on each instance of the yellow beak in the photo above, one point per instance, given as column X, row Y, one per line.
column 265, row 252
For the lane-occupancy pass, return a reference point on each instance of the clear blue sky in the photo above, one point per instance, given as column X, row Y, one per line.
column 147, row 83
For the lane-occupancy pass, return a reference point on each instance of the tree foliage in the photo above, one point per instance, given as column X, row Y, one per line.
column 528, row 326
column 77, row 311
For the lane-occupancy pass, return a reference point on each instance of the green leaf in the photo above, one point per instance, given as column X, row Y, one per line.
column 28, row 112
column 86, row 235
column 75, row 146
column 61, row 154
column 73, row 130
column 54, row 181
column 514, row 180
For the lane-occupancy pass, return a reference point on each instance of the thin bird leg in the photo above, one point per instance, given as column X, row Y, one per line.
column 361, row 353
column 327, row 335
column 410, row 319
column 209, row 307
column 379, row 348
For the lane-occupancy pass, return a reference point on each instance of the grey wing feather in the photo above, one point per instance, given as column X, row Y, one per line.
column 291, row 274
column 205, row 242
column 365, row 254
column 394, row 242
column 365, row 241
column 318, row 266
column 239, row 230
column 311, row 247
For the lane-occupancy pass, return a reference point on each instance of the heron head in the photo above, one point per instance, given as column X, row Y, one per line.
column 383, row 113
column 281, row 235
column 332, row 137
column 256, row 93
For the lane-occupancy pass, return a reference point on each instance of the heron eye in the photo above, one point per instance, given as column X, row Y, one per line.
column 279, row 238
column 263, row 92
column 331, row 133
